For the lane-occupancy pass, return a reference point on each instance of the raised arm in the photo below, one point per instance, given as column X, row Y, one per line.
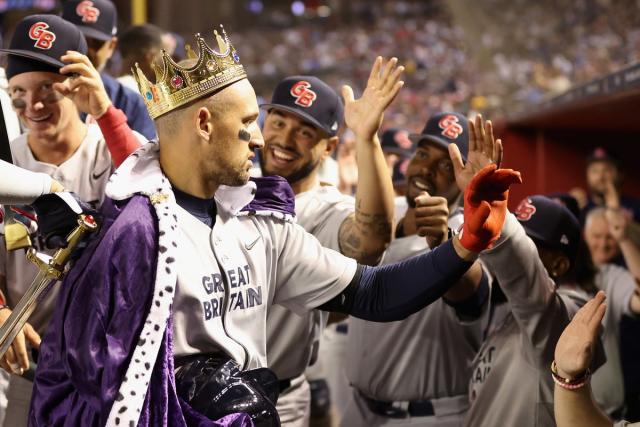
column 573, row 355
column 365, row 235
column 484, row 149
column 393, row 292
column 87, row 91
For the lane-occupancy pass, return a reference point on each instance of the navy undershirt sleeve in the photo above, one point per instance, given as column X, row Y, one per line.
column 394, row 292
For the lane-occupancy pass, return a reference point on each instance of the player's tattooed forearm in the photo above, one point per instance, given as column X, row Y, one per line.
column 356, row 244
column 373, row 224
column 244, row 135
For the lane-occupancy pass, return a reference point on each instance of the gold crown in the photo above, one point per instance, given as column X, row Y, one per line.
column 176, row 85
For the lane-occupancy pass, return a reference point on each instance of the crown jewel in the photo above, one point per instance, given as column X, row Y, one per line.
column 176, row 85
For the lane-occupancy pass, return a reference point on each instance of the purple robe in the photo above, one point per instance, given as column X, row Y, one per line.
column 101, row 310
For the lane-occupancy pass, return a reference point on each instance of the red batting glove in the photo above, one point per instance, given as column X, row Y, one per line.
column 485, row 206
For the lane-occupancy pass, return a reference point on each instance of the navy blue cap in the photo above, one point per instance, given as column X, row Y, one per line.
column 599, row 154
column 568, row 201
column 311, row 99
column 550, row 223
column 97, row 19
column 399, row 175
column 42, row 39
column 397, row 141
column 444, row 129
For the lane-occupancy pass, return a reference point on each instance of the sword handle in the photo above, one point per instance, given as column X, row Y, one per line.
column 49, row 272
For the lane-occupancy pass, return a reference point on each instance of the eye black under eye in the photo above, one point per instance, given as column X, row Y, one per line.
column 244, row 135
column 19, row 103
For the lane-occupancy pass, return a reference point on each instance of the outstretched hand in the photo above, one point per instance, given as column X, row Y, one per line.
column 485, row 206
column 364, row 115
column 574, row 349
column 84, row 85
column 484, row 150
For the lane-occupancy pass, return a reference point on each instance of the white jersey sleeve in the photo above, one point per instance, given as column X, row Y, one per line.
column 321, row 211
column 308, row 274
column 19, row 186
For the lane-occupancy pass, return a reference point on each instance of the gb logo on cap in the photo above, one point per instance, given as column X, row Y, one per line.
column 450, row 126
column 87, row 11
column 525, row 210
column 303, row 94
column 43, row 37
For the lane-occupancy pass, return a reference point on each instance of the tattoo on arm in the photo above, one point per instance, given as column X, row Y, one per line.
column 363, row 236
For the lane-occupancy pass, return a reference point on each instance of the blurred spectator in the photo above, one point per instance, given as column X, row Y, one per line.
column 140, row 44
column 603, row 247
column 604, row 181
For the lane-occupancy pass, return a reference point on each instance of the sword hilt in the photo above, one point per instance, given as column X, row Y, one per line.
column 54, row 268
column 48, row 273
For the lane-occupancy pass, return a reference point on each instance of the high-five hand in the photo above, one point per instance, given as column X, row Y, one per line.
column 364, row 115
column 574, row 349
column 484, row 149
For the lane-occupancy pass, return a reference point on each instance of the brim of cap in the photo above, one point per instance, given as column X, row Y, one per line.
column 398, row 151
column 417, row 137
column 93, row 33
column 34, row 55
column 534, row 235
column 301, row 114
column 606, row 159
column 566, row 249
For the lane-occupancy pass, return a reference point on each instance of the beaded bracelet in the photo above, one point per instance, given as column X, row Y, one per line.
column 569, row 384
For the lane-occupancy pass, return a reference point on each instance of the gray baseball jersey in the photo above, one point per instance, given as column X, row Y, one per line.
column 607, row 382
column 86, row 173
column 269, row 262
column 510, row 381
column 290, row 337
column 426, row 356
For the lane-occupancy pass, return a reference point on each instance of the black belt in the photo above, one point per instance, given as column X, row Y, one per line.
column 416, row 408
column 284, row 384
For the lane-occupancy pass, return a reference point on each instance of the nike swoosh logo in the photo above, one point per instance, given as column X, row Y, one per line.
column 249, row 246
column 97, row 176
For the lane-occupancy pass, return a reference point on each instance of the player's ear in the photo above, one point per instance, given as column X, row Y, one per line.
column 332, row 144
column 203, row 123
column 113, row 43
column 560, row 266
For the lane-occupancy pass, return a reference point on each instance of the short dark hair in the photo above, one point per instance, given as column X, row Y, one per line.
column 139, row 39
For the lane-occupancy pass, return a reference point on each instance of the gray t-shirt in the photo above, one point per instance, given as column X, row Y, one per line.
column 426, row 356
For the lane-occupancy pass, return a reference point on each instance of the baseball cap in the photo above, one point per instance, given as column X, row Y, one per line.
column 444, row 129
column 396, row 141
column 311, row 99
column 97, row 19
column 38, row 43
column 566, row 200
column 550, row 223
column 599, row 154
